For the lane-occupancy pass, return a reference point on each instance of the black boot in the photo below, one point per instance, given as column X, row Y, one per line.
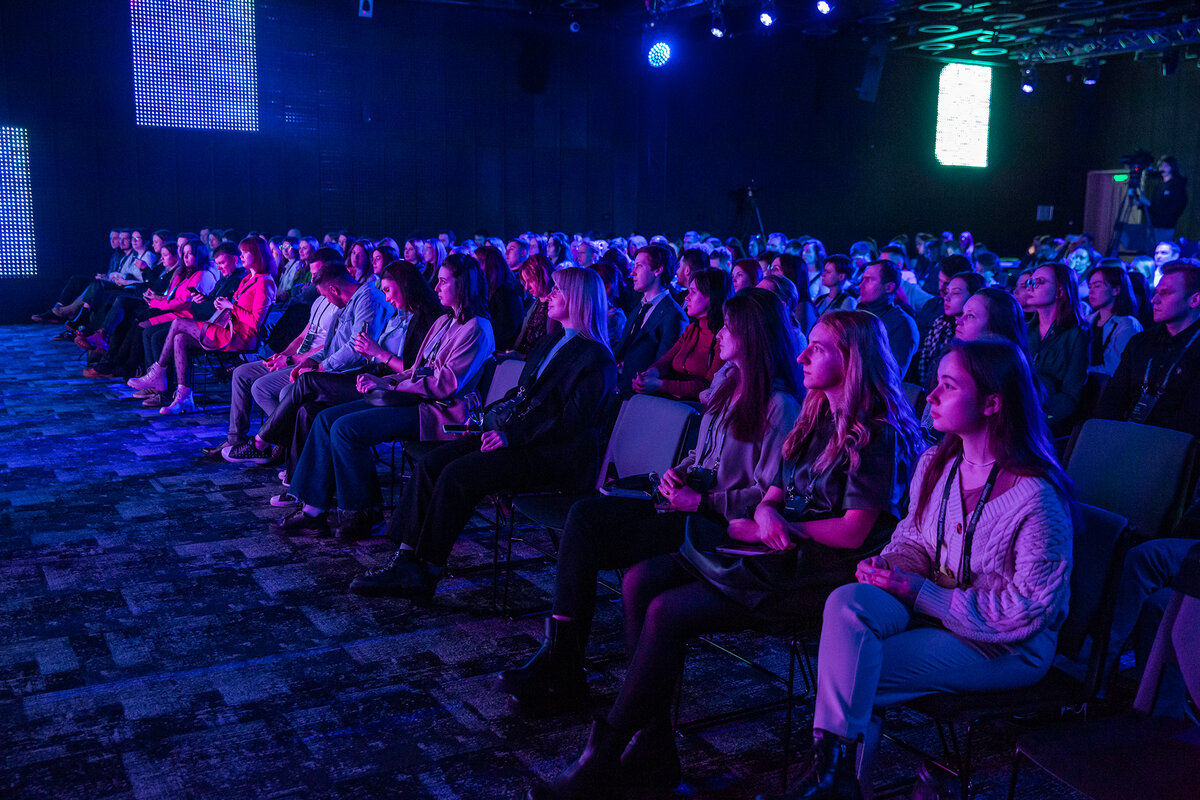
column 595, row 775
column 554, row 680
column 651, row 761
column 830, row 774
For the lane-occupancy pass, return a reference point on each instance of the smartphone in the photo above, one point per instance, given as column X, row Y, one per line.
column 457, row 428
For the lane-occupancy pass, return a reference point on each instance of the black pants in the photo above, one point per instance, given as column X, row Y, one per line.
column 450, row 481
column 665, row 606
column 608, row 533
column 122, row 313
column 74, row 288
column 315, row 390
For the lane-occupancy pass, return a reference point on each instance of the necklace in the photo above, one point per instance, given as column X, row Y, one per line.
column 980, row 463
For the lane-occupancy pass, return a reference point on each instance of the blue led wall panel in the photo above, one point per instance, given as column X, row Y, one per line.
column 18, row 256
column 963, row 112
column 194, row 64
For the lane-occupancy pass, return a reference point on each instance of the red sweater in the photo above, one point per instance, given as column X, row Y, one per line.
column 688, row 367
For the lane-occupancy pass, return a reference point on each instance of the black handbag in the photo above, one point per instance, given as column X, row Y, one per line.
column 750, row 580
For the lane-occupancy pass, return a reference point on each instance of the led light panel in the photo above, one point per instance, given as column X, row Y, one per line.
column 963, row 113
column 18, row 256
column 194, row 64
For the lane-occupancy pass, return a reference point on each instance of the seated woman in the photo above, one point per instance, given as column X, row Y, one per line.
column 941, row 332
column 504, row 297
column 688, row 367
column 553, row 417
column 417, row 308
column 835, row 278
column 385, row 253
column 787, row 293
column 844, row 463
column 537, row 276
column 1113, row 321
column 616, row 281
column 1058, row 344
column 234, row 326
column 337, row 465
column 968, row 611
column 724, row 477
column 993, row 312
column 746, row 272
column 795, row 270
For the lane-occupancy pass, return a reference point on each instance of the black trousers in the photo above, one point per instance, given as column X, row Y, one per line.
column 74, row 288
column 314, row 390
column 665, row 606
column 608, row 533
column 450, row 481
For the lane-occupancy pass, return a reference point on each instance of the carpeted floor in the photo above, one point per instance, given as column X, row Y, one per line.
column 158, row 641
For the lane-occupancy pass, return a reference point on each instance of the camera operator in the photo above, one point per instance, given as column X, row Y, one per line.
column 1165, row 200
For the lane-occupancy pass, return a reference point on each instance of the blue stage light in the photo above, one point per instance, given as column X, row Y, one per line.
column 658, row 54
column 1028, row 79
column 767, row 15
column 718, row 29
column 18, row 254
column 195, row 64
column 824, row 7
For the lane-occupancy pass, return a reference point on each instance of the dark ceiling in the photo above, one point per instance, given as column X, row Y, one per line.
column 1079, row 31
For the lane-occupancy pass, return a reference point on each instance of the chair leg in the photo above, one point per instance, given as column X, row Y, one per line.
column 964, row 766
column 793, row 656
column 1016, row 769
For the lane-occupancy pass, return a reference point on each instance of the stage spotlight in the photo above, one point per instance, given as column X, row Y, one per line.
column 718, row 29
column 658, row 54
column 824, row 7
column 1028, row 79
column 1091, row 73
column 767, row 15
column 574, row 26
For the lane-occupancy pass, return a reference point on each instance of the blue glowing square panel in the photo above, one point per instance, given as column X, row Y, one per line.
column 18, row 256
column 194, row 64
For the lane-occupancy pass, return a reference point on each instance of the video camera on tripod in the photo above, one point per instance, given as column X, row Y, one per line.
column 1138, row 163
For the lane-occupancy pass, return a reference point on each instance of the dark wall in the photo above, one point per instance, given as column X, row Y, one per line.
column 431, row 116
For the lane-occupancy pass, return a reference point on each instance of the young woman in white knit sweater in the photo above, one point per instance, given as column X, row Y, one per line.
column 973, row 587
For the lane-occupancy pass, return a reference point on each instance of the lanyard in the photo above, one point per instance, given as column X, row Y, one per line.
column 969, row 534
column 711, row 445
column 1170, row 371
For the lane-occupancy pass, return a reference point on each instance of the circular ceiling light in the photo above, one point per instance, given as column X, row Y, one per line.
column 938, row 28
column 939, row 8
column 1002, row 19
column 1079, row 5
column 877, row 19
column 1143, row 16
column 935, row 47
column 989, row 51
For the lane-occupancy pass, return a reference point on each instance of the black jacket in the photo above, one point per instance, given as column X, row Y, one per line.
column 638, row 349
column 1179, row 406
column 567, row 403
column 1060, row 364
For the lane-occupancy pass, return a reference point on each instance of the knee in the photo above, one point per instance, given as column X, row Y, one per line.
column 848, row 606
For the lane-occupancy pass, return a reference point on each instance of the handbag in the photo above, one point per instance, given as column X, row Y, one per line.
column 750, row 580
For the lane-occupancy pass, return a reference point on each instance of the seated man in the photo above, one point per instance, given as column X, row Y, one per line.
column 359, row 307
column 1155, row 382
column 659, row 321
column 265, row 381
column 877, row 294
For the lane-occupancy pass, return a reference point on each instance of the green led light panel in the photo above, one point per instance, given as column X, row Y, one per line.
column 18, row 256
column 963, row 112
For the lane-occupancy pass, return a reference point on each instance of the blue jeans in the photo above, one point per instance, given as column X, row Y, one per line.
column 338, row 461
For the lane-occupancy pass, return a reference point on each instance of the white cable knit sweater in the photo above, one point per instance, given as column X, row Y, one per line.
column 1021, row 560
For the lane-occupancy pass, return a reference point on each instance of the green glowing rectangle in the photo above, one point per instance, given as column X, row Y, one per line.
column 963, row 112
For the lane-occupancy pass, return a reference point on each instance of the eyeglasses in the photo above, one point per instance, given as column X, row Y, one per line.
column 1033, row 283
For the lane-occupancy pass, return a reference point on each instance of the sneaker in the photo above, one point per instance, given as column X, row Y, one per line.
column 152, row 400
column 95, row 374
column 284, row 500
column 182, row 403
column 247, row 453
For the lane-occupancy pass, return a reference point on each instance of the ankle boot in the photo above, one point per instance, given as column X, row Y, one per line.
column 651, row 761
column 553, row 681
column 155, row 378
column 596, row 774
column 831, row 770
column 182, row 403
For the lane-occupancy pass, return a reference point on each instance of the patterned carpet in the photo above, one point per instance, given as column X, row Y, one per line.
column 158, row 641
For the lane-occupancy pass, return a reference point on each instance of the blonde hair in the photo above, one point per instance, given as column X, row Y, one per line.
column 587, row 302
column 872, row 392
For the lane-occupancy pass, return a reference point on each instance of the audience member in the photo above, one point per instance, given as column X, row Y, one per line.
column 659, row 321
column 688, row 367
column 877, row 294
column 1113, row 321
column 1058, row 343
column 835, row 278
